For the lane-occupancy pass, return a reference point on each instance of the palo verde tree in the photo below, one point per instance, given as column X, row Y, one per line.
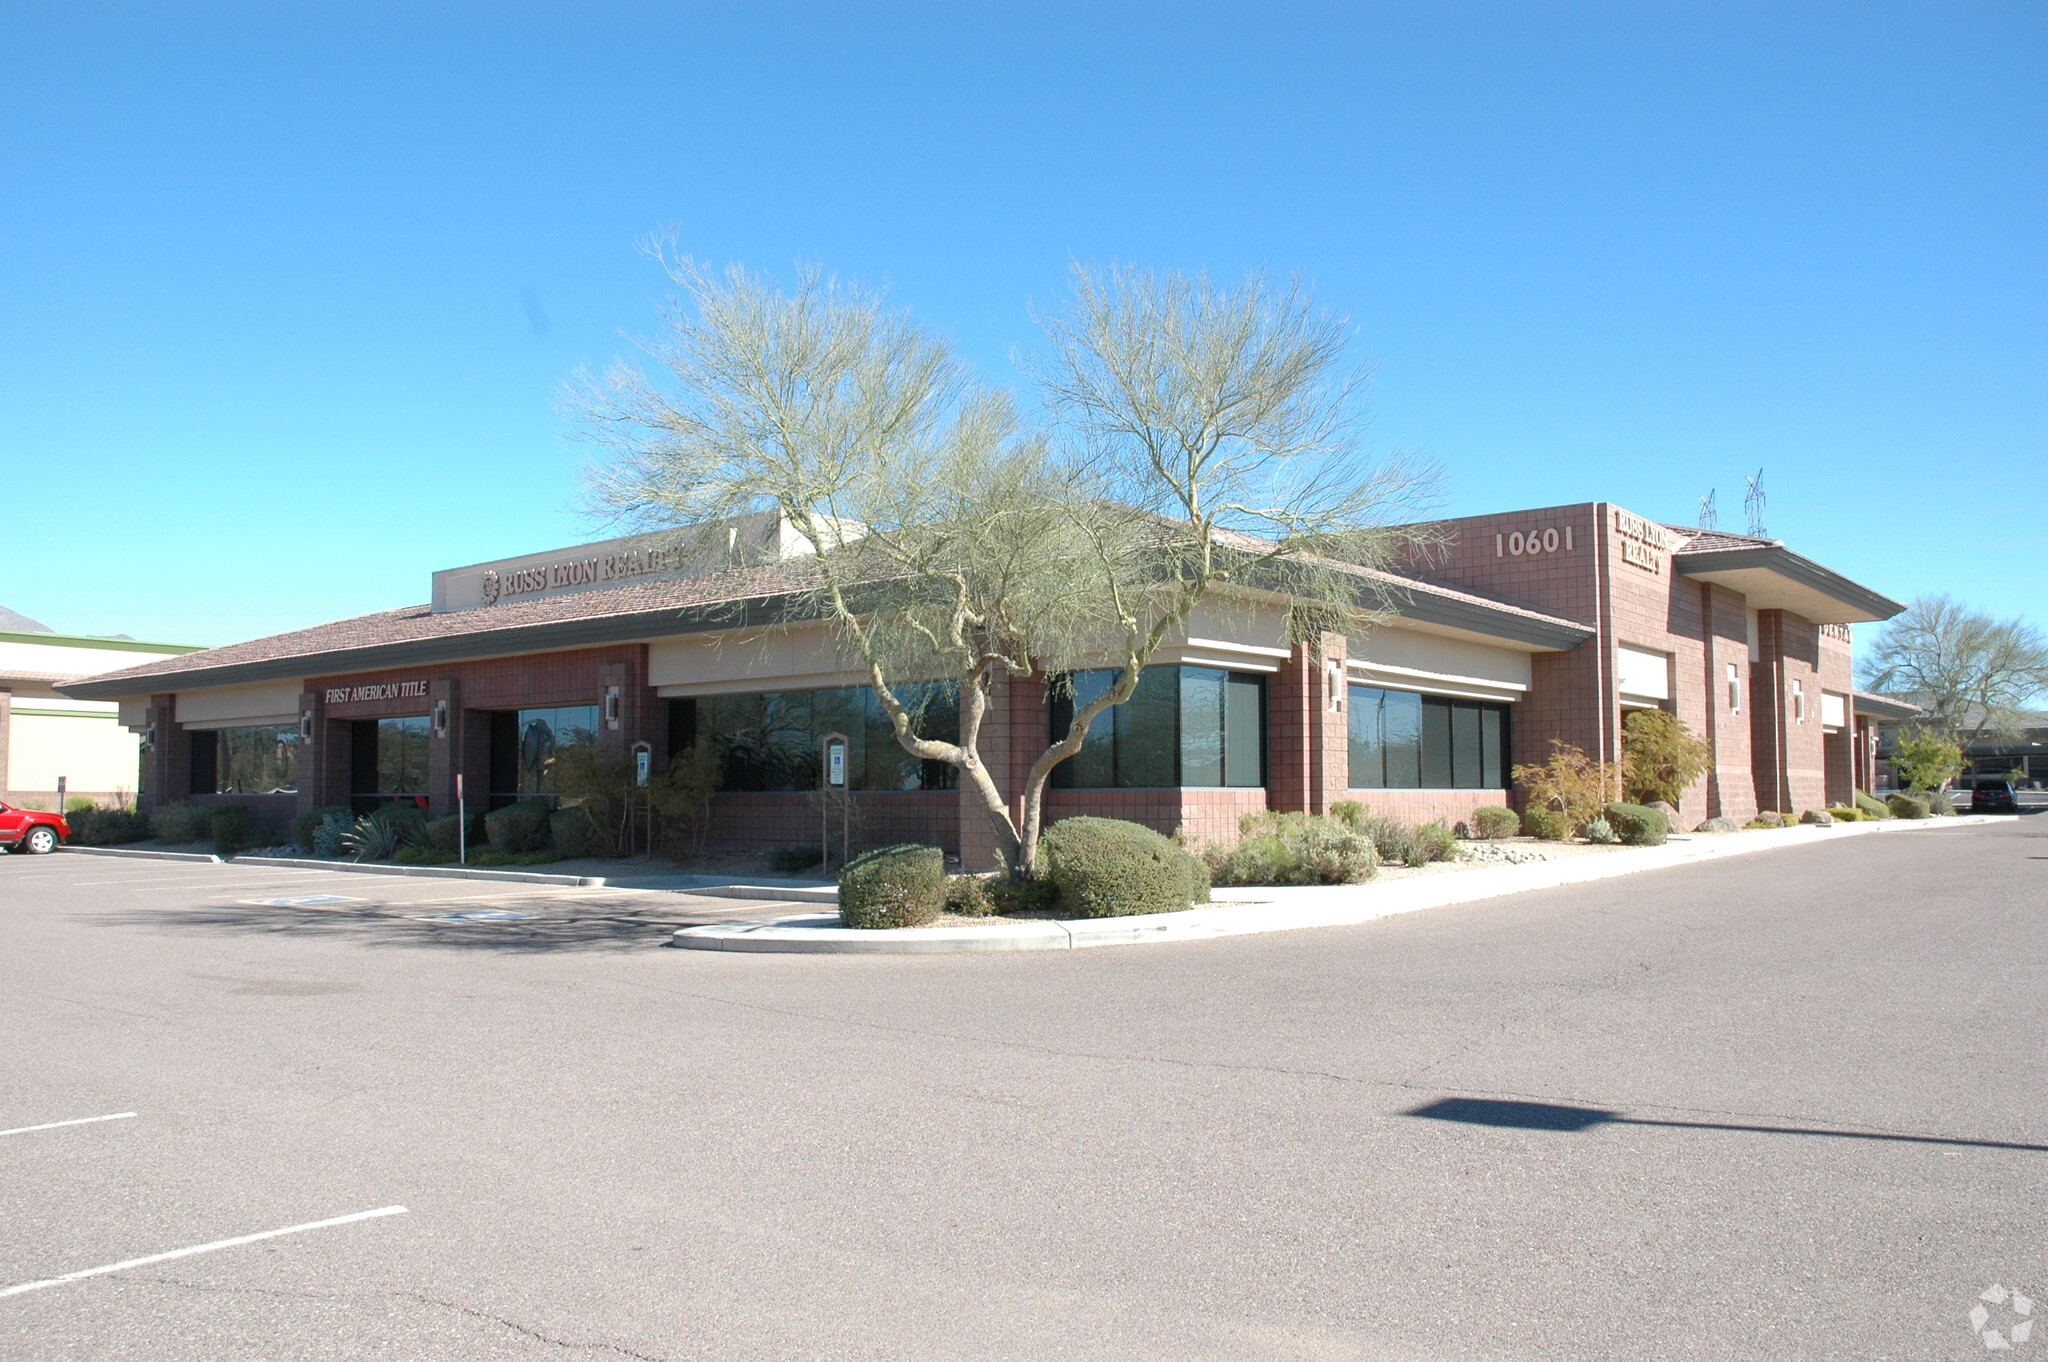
column 1974, row 673
column 1206, row 442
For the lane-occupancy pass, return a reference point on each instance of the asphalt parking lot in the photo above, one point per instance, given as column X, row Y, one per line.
column 1792, row 1104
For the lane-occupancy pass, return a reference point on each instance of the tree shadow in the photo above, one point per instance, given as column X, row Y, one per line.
column 1486, row 1111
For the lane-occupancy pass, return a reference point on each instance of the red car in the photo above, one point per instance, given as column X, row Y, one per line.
column 32, row 830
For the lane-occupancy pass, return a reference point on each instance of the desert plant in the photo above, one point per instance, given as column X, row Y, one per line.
column 573, row 834
column 1350, row 811
column 1492, row 822
column 967, row 896
column 1264, row 859
column 896, row 886
column 1106, row 867
column 1637, row 826
column 1431, row 842
column 1547, row 824
column 1570, row 783
column 304, row 825
column 328, row 837
column 371, row 839
column 1907, row 806
column 1660, row 756
column 1599, row 831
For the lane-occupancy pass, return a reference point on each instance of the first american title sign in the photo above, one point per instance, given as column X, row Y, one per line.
column 381, row 690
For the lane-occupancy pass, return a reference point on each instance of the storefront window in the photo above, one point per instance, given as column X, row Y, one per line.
column 544, row 734
column 1404, row 741
column 259, row 760
column 771, row 740
column 402, row 755
column 1182, row 727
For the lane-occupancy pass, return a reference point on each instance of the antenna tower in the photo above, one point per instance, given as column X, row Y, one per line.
column 1754, row 504
column 1707, row 517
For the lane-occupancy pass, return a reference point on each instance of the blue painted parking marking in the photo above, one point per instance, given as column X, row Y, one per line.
column 481, row 915
column 303, row 901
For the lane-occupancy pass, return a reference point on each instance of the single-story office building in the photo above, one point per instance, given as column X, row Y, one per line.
column 1525, row 627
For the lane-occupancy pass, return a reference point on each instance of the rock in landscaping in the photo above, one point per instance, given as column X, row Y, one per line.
column 1718, row 824
column 1819, row 818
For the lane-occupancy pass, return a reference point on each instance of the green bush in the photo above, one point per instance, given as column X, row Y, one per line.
column 793, row 860
column 1769, row 818
column 967, row 896
column 305, row 825
column 1106, row 867
column 1429, row 843
column 231, row 827
column 897, row 886
column 1846, row 815
column 408, row 821
column 571, row 832
column 1351, row 812
column 1494, row 822
column 445, row 834
column 1636, row 825
column 1019, row 898
column 1552, row 825
column 1907, row 806
column 520, row 827
column 1939, row 802
column 425, row 855
column 1600, row 832
column 495, row 859
column 370, row 838
column 1292, row 848
column 1263, row 859
column 1871, row 805
column 331, row 837
column 178, row 823
column 97, row 827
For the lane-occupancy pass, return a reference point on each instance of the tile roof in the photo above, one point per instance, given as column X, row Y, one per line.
column 1693, row 539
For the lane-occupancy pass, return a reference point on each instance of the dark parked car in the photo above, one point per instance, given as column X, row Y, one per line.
column 1993, row 796
column 31, row 830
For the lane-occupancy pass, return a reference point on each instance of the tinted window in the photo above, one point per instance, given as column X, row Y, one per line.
column 1182, row 726
column 1403, row 741
column 262, row 760
column 772, row 740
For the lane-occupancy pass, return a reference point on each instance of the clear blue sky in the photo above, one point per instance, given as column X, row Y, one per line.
column 286, row 294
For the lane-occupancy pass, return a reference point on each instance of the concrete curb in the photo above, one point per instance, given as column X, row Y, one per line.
column 431, row 872
column 1246, row 912
column 201, row 856
column 792, row 893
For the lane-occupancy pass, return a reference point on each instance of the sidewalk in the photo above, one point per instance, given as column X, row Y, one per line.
column 1242, row 912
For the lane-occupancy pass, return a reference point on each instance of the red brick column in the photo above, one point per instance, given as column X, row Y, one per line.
column 167, row 765
column 444, row 748
column 1308, row 738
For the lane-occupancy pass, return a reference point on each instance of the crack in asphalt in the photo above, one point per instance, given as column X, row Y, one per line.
column 517, row 1328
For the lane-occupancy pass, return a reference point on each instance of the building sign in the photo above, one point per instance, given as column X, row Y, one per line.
column 383, row 690
column 645, row 560
column 1531, row 543
column 1642, row 541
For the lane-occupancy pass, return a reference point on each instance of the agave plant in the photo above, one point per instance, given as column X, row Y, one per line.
column 371, row 839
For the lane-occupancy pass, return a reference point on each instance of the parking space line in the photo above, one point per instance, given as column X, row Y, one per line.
column 81, row 1121
column 199, row 1248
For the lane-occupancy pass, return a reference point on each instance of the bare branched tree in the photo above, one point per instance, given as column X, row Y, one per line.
column 1973, row 673
column 1209, row 445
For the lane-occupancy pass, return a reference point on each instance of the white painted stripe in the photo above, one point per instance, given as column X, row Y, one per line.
column 200, row 1248
column 81, row 1121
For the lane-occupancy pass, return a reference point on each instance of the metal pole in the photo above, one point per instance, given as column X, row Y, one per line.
column 461, row 824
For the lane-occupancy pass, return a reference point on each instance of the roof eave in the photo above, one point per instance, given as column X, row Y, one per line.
column 1869, row 605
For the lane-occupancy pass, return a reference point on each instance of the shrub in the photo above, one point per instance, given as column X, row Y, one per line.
column 232, row 827
column 571, row 832
column 97, row 827
column 897, row 886
column 1548, row 824
column 1329, row 852
column 1907, row 806
column 1939, row 803
column 519, row 827
column 494, row 858
column 371, row 839
column 445, row 834
column 1351, row 812
column 425, row 855
column 1660, row 756
column 1020, row 897
column 179, row 822
column 1264, row 859
column 305, row 825
column 1871, row 805
column 1819, row 818
column 1719, row 824
column 1570, row 783
column 1637, row 826
column 1600, row 831
column 1926, row 760
column 1106, row 867
column 791, row 860
column 1846, row 815
column 1429, row 843
column 967, row 896
column 1493, row 822
column 1391, row 841
column 330, row 838
column 1291, row 848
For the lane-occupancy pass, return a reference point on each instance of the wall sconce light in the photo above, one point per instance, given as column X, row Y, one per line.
column 611, row 707
column 1338, row 690
column 149, row 738
column 306, row 726
column 440, row 718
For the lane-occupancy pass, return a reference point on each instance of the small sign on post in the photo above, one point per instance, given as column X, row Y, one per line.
column 60, row 795
column 833, row 776
column 461, row 824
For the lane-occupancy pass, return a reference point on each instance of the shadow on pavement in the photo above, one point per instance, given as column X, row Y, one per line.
column 1480, row 1111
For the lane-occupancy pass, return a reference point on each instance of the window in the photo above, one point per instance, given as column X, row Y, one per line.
column 1798, row 702
column 1404, row 741
column 542, row 733
column 260, row 760
column 1734, row 689
column 1182, row 727
column 771, row 740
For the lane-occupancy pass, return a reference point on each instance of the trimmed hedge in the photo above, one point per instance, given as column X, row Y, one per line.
column 1494, row 822
column 445, row 834
column 1846, row 815
column 521, row 827
column 178, row 823
column 898, row 886
column 97, row 827
column 1106, row 867
column 1908, row 806
column 304, row 826
column 1548, row 824
column 1872, row 806
column 571, row 832
column 1637, row 825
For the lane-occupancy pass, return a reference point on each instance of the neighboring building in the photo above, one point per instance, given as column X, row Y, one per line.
column 2021, row 756
column 46, row 735
column 1527, row 627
